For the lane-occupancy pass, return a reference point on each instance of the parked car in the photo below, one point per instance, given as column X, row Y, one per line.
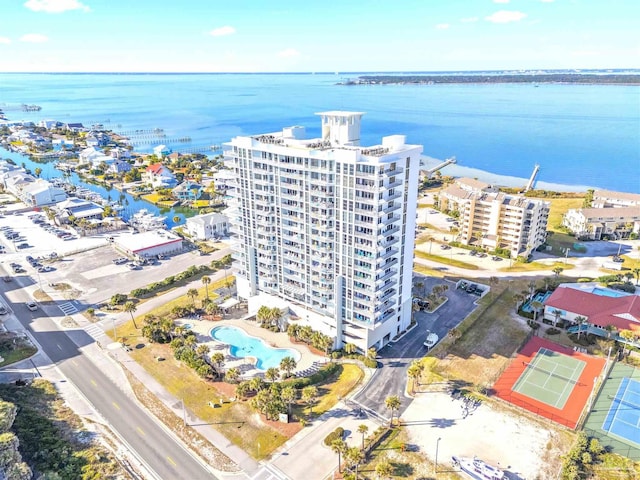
column 21, row 246
column 120, row 261
column 44, row 269
column 133, row 266
column 3, row 310
column 495, row 258
column 32, row 306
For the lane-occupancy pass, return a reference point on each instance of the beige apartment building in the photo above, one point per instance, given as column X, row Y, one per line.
column 491, row 219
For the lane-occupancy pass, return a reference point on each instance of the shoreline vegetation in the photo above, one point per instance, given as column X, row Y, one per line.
column 558, row 78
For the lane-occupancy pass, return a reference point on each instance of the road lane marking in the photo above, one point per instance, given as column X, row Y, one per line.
column 57, row 345
column 172, row 462
column 140, row 431
column 74, row 362
column 93, row 382
column 116, row 405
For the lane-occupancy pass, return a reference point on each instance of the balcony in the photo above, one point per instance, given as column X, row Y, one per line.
column 386, row 296
column 386, row 276
column 383, row 244
column 392, row 208
column 393, row 172
column 388, row 231
column 387, row 263
column 388, row 254
column 388, row 221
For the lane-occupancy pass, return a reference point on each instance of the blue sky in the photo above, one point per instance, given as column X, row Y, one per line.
column 313, row 35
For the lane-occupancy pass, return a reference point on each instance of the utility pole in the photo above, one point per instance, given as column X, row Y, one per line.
column 184, row 413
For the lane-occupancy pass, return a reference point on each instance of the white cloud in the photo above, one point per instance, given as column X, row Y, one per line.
column 289, row 53
column 222, row 31
column 442, row 26
column 505, row 16
column 5, row 40
column 469, row 19
column 34, row 38
column 55, row 6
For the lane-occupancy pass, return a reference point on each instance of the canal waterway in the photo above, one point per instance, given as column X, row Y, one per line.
column 129, row 203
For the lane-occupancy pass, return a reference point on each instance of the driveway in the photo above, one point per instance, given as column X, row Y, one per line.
column 395, row 358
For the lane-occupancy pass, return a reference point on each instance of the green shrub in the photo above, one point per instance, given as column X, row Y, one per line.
column 335, row 435
column 552, row 331
column 325, row 372
column 370, row 362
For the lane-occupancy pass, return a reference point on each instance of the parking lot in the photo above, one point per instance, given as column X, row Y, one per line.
column 86, row 264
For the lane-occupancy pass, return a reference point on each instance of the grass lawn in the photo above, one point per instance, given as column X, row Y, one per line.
column 560, row 242
column 445, row 260
column 153, row 197
column 535, row 266
column 17, row 353
column 560, row 206
column 330, row 393
column 483, row 351
column 424, row 270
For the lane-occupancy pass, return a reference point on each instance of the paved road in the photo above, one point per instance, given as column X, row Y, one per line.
column 154, row 445
column 396, row 357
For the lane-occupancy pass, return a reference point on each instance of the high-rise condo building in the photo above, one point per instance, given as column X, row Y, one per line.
column 326, row 227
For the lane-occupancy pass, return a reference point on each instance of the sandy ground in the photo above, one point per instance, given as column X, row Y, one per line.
column 515, row 444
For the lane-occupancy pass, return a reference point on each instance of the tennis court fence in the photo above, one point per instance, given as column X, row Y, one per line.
column 618, row 447
column 542, row 412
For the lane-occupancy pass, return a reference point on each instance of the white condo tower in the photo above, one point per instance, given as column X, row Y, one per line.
column 326, row 227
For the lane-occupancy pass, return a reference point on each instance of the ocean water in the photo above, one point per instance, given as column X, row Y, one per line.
column 580, row 135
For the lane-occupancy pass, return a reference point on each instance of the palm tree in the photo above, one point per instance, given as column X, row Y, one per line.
column 272, row 374
column 288, row 365
column 350, row 348
column 636, row 272
column 532, row 288
column 193, row 294
column 363, row 429
column 256, row 383
column 627, row 335
column 339, row 446
column 556, row 316
column 206, row 281
column 384, row 469
column 232, row 375
column 263, row 314
column 353, row 457
column 289, row 395
column 536, row 306
column 218, row 360
column 372, row 353
column 202, row 350
column 610, row 330
column 130, row 307
column 414, row 371
column 557, row 271
column 628, row 276
column 392, row 403
column 579, row 320
column 37, row 171
column 176, row 219
column 309, row 395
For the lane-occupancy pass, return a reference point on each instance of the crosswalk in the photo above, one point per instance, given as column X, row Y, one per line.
column 94, row 330
column 68, row 308
column 269, row 472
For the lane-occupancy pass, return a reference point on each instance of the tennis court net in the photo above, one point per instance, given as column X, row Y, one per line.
column 552, row 374
column 624, row 402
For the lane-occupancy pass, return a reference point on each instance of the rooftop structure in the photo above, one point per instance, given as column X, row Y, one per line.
column 328, row 226
column 149, row 244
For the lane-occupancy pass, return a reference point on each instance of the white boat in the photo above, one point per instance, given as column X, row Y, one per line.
column 478, row 469
column 144, row 220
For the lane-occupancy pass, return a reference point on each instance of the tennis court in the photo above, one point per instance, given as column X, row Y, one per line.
column 615, row 416
column 549, row 377
column 623, row 418
column 550, row 380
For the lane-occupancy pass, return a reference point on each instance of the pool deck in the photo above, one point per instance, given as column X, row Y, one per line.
column 308, row 361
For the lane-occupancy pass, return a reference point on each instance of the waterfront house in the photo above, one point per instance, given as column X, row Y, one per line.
column 62, row 144
column 120, row 152
column 161, row 151
column 49, row 124
column 41, row 193
column 15, row 180
column 158, row 175
column 119, row 166
column 74, row 127
column 610, row 199
column 209, row 225
column 188, row 191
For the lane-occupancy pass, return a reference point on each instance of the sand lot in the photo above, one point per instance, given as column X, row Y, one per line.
column 521, row 447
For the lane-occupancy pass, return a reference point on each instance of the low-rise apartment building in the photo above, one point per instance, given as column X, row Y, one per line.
column 490, row 219
column 601, row 223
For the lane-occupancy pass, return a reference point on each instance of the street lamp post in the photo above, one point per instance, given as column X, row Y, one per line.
column 115, row 333
column 435, row 467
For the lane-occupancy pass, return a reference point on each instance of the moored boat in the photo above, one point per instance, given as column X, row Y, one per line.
column 478, row 469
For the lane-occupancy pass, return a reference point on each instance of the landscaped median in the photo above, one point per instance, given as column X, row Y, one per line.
column 446, row 260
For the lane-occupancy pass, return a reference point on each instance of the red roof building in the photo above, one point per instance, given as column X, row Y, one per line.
column 622, row 312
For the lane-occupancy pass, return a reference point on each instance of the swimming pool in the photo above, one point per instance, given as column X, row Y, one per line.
column 605, row 292
column 538, row 297
column 243, row 345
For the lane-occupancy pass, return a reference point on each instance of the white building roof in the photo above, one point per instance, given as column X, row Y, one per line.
column 208, row 219
column 138, row 242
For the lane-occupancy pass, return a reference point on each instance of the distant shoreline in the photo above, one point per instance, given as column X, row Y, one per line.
column 547, row 78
